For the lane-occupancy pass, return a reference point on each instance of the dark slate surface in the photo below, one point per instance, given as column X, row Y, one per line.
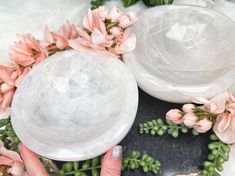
column 181, row 155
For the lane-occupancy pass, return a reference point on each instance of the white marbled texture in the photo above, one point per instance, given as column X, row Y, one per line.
column 183, row 52
column 75, row 105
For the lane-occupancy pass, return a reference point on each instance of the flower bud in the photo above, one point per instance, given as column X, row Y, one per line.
column 203, row 126
column 188, row 108
column 174, row 116
column 190, row 119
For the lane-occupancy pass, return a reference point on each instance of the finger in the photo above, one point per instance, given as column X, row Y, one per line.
column 112, row 162
column 32, row 163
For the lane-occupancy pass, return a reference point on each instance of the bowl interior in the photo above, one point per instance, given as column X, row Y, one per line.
column 71, row 100
column 193, row 44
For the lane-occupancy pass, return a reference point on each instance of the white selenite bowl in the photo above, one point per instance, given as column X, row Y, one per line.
column 75, row 105
column 183, row 52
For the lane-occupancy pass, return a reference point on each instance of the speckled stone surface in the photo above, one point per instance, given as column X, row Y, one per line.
column 181, row 155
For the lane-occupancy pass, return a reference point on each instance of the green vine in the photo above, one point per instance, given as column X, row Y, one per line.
column 92, row 167
column 219, row 154
column 89, row 167
column 8, row 135
column 158, row 128
column 146, row 162
column 126, row 3
column 96, row 3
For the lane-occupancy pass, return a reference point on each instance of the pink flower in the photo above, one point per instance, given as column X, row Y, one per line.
column 216, row 104
column 203, row 126
column 225, row 128
column 104, row 30
column 7, row 86
column 174, row 116
column 27, row 51
column 10, row 77
column 190, row 119
column 124, row 43
column 12, row 160
column 188, row 108
column 60, row 39
column 127, row 20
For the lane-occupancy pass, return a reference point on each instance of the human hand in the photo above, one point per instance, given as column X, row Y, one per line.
column 111, row 165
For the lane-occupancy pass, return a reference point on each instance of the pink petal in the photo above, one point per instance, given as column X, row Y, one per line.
column 88, row 20
column 84, row 34
column 5, row 75
column 23, row 74
column 200, row 100
column 97, row 37
column 10, row 154
column 114, row 14
column 5, row 161
column 79, row 44
column 48, row 37
column 223, row 122
column 17, row 169
column 128, row 45
column 5, row 88
column 220, row 102
column 7, row 98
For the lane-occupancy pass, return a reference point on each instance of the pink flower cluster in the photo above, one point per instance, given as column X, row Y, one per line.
column 189, row 118
column 10, row 162
column 102, row 31
column 218, row 111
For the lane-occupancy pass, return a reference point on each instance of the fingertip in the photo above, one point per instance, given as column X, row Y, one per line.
column 31, row 161
column 112, row 162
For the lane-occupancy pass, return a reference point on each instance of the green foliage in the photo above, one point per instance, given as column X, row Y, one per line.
column 158, row 128
column 157, row 2
column 219, row 154
column 126, row 3
column 92, row 167
column 146, row 162
column 8, row 135
column 96, row 3
column 89, row 167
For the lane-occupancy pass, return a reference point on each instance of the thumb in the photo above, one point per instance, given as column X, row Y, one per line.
column 112, row 162
column 32, row 163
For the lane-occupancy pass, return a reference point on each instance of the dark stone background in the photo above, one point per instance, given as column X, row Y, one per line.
column 181, row 155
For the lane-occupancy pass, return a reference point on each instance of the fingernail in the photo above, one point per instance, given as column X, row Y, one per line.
column 117, row 152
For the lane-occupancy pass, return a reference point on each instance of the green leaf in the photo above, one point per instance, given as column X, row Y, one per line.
column 219, row 154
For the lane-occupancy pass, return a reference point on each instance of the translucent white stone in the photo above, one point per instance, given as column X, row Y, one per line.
column 75, row 105
column 202, row 3
column 226, row 7
column 183, row 52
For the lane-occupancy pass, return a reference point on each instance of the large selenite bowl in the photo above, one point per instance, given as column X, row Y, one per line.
column 183, row 52
column 75, row 105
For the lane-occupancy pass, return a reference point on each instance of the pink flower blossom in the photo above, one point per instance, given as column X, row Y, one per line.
column 27, row 51
column 174, row 116
column 10, row 77
column 59, row 39
column 203, row 125
column 7, row 86
column 190, row 119
column 224, row 128
column 188, row 108
column 104, row 30
column 216, row 104
column 12, row 160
